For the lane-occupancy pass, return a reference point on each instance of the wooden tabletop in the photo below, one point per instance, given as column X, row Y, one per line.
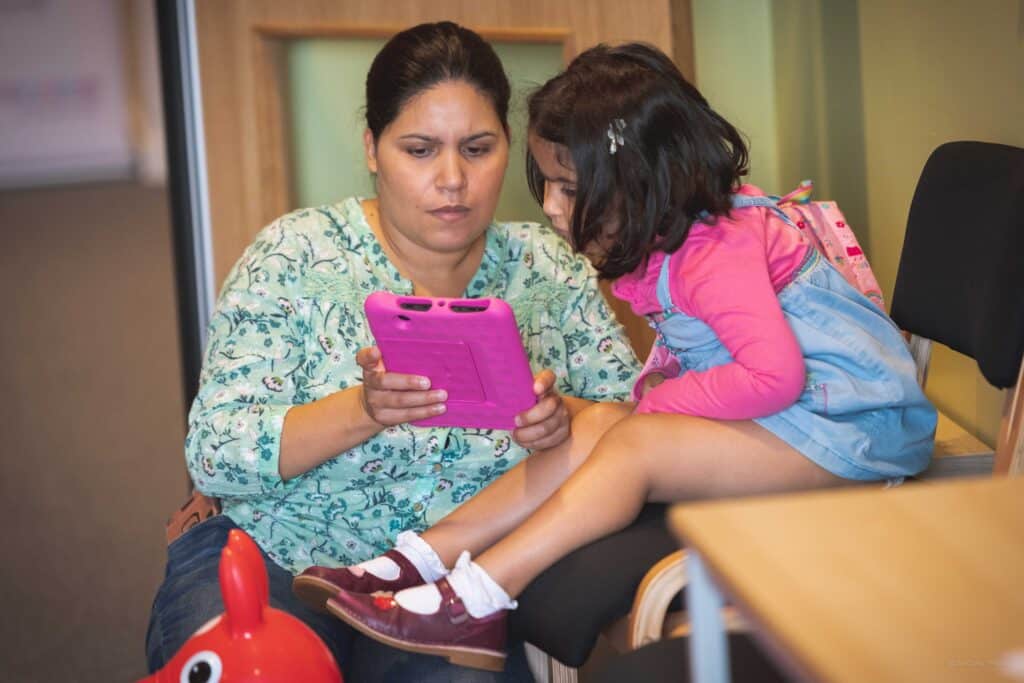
column 924, row 582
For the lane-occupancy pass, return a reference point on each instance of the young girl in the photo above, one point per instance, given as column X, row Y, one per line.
column 770, row 372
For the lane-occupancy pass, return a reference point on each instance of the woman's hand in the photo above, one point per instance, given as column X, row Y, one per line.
column 546, row 424
column 391, row 398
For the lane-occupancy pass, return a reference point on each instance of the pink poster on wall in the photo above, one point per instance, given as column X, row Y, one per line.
column 63, row 112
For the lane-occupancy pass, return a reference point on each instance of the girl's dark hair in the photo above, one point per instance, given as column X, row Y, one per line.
column 423, row 56
column 679, row 158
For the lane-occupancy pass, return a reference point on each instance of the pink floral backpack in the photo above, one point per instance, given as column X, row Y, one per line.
column 828, row 230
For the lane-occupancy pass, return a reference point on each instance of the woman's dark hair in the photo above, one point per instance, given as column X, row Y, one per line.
column 423, row 56
column 678, row 160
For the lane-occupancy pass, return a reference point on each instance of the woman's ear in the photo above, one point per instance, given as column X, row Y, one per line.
column 370, row 148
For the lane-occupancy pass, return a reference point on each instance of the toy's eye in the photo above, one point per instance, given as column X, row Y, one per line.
column 202, row 667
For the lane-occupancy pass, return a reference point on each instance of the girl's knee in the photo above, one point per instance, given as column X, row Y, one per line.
column 598, row 418
column 647, row 425
column 591, row 424
column 638, row 435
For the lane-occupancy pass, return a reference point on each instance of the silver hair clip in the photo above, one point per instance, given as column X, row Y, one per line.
column 615, row 139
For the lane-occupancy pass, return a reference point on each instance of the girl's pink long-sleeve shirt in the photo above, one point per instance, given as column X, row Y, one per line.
column 728, row 275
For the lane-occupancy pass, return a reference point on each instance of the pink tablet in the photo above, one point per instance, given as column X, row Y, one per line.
column 468, row 347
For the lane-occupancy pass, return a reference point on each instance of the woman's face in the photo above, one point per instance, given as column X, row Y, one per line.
column 439, row 167
column 559, row 182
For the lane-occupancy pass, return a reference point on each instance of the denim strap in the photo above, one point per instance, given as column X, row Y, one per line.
column 741, row 201
column 664, row 293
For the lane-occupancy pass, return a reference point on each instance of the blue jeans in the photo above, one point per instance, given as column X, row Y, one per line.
column 190, row 596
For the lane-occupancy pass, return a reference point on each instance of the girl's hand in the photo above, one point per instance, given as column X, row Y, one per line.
column 546, row 424
column 650, row 381
column 391, row 398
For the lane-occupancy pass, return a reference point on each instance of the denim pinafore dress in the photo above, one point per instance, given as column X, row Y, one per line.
column 862, row 414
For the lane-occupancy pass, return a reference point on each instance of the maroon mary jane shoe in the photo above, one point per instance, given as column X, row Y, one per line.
column 315, row 585
column 450, row 632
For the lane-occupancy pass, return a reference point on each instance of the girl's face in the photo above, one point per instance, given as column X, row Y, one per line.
column 556, row 166
column 439, row 166
column 559, row 182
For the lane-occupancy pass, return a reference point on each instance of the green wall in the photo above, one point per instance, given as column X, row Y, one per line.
column 856, row 94
column 326, row 101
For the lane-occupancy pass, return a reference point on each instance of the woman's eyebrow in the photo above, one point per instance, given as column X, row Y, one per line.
column 420, row 137
column 479, row 136
column 435, row 140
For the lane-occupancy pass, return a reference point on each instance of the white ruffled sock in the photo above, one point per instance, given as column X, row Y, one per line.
column 417, row 551
column 481, row 594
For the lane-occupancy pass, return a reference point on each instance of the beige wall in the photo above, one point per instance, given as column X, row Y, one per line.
column 856, row 94
column 934, row 72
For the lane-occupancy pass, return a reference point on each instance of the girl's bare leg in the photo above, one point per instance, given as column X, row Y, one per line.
column 508, row 500
column 648, row 458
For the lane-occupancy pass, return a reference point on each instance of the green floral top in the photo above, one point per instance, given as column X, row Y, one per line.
column 285, row 332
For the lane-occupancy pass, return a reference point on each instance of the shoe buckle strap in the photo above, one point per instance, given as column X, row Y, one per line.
column 453, row 604
column 456, row 610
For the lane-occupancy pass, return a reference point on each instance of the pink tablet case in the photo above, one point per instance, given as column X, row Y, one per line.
column 468, row 347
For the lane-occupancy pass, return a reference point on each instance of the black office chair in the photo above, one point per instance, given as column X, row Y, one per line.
column 961, row 275
column 960, row 282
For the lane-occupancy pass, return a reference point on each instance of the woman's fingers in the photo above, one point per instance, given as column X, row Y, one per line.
column 543, row 382
column 368, row 358
column 396, row 381
column 392, row 416
column 384, row 400
column 539, row 430
column 544, row 425
column 375, row 376
column 391, row 398
column 545, row 408
column 392, row 407
column 545, row 435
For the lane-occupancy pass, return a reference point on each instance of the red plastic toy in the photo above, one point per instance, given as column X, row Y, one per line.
column 251, row 642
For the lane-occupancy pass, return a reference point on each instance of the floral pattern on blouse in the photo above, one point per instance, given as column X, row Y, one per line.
column 285, row 332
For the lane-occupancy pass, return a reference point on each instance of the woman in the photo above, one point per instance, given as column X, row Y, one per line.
column 298, row 428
